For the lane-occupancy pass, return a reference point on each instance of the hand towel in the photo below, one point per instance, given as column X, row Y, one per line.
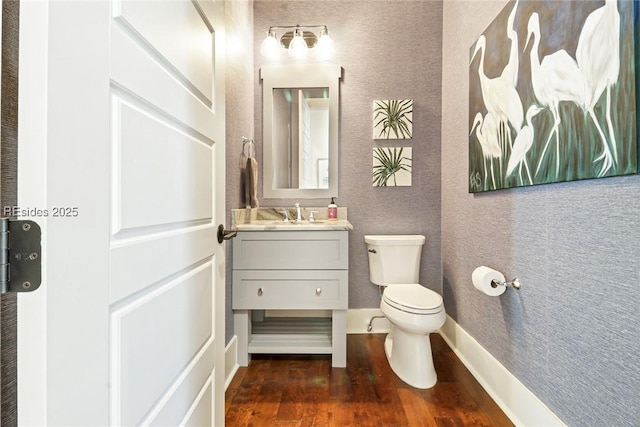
column 244, row 194
column 252, row 182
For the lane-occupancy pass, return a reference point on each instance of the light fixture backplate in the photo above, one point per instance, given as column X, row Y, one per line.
column 309, row 37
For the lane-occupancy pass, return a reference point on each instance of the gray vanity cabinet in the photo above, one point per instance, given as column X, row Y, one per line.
column 304, row 271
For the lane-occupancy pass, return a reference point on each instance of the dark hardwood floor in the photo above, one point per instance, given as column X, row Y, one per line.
column 304, row 390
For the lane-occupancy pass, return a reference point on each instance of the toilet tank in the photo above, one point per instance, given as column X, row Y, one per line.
column 394, row 259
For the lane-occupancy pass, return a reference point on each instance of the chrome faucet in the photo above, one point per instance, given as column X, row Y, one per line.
column 298, row 212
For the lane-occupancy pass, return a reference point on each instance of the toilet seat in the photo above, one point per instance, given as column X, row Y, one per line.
column 412, row 298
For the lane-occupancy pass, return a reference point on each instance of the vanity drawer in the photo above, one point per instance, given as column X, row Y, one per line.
column 291, row 250
column 279, row 290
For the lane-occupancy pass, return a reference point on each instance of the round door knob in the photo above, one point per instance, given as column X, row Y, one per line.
column 260, row 292
column 318, row 291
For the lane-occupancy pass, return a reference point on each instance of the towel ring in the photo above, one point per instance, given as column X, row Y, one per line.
column 252, row 147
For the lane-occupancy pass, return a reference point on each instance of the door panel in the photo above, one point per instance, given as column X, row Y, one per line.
column 187, row 392
column 128, row 327
column 175, row 186
column 129, row 54
column 200, row 415
column 154, row 340
column 156, row 256
column 178, row 34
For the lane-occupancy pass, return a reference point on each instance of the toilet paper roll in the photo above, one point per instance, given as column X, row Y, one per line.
column 482, row 277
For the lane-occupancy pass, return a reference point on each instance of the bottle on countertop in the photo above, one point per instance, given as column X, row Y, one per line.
column 332, row 210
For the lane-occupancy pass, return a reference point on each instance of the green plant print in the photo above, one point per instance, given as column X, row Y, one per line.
column 392, row 119
column 388, row 164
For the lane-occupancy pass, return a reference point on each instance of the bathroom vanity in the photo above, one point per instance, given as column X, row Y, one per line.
column 286, row 275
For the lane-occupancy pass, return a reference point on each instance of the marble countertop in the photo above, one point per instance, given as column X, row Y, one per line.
column 319, row 225
column 266, row 219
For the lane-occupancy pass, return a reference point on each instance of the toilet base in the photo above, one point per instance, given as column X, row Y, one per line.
column 410, row 358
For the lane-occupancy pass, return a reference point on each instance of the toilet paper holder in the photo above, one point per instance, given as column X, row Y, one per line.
column 515, row 283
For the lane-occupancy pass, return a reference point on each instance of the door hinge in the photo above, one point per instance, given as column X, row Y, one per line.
column 20, row 256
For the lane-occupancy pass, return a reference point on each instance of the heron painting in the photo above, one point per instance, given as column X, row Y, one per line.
column 552, row 94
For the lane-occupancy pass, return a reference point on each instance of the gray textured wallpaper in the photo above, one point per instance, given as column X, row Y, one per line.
column 388, row 50
column 239, row 114
column 572, row 333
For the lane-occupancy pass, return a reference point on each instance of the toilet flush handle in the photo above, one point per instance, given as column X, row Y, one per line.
column 373, row 251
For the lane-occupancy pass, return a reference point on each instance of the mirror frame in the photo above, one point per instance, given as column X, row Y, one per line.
column 300, row 76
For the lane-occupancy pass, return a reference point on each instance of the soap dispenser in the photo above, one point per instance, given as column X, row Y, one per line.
column 332, row 210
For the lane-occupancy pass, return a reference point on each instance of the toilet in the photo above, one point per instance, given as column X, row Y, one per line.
column 413, row 310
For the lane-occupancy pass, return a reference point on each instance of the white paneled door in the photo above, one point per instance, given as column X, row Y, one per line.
column 121, row 161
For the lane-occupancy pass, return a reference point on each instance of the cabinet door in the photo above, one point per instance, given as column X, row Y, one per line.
column 291, row 250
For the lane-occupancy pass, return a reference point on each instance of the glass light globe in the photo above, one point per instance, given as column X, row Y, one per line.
column 270, row 47
column 325, row 48
column 298, row 47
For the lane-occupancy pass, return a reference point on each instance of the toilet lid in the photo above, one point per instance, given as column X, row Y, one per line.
column 413, row 298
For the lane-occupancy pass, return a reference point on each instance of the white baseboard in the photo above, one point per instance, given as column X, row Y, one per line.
column 358, row 321
column 230, row 361
column 519, row 404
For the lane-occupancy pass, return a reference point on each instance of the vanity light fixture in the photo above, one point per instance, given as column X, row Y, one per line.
column 298, row 40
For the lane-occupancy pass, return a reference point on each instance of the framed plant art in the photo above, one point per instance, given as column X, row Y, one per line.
column 392, row 119
column 392, row 166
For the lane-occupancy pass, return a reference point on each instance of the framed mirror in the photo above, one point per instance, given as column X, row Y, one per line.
column 300, row 130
